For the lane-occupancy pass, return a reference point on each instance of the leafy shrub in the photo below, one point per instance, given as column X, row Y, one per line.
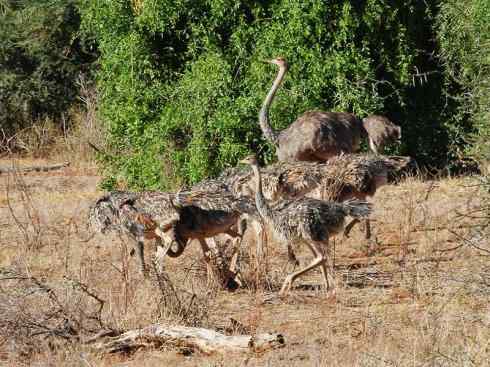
column 41, row 57
column 182, row 82
column 464, row 36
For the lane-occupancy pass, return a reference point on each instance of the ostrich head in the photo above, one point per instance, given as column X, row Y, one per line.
column 381, row 131
column 279, row 61
column 250, row 160
column 174, row 245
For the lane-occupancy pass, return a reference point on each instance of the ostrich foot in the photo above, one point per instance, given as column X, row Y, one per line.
column 274, row 298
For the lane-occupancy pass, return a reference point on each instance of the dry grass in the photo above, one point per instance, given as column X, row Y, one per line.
column 421, row 300
column 63, row 140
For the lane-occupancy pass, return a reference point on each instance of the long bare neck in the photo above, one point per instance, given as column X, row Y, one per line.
column 262, row 207
column 364, row 131
column 265, row 125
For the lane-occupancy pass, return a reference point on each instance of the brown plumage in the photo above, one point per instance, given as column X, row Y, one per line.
column 240, row 211
column 174, row 219
column 215, row 194
column 141, row 216
column 318, row 136
column 343, row 177
column 309, row 221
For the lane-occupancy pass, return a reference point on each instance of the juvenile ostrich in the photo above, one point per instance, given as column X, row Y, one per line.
column 173, row 220
column 129, row 213
column 318, row 135
column 341, row 178
column 214, row 196
column 308, row 221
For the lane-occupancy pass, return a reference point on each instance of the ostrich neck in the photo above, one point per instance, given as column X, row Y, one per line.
column 262, row 207
column 265, row 126
column 364, row 131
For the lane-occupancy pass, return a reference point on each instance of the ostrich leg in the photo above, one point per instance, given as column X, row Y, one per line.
column 140, row 249
column 259, row 251
column 207, row 258
column 349, row 226
column 330, row 270
column 162, row 249
column 319, row 259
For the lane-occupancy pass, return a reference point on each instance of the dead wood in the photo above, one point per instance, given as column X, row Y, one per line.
column 203, row 340
column 47, row 168
column 442, row 228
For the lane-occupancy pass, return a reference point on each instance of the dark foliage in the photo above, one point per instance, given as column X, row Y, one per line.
column 182, row 82
column 464, row 37
column 41, row 56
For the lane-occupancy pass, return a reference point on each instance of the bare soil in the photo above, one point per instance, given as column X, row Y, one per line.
column 422, row 299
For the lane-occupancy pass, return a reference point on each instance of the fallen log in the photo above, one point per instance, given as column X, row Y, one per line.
column 205, row 341
column 51, row 167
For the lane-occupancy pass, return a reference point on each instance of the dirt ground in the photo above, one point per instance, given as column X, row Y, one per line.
column 422, row 299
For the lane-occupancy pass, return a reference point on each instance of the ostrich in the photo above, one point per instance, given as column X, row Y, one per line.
column 224, row 209
column 121, row 211
column 341, row 178
column 173, row 219
column 318, row 135
column 309, row 221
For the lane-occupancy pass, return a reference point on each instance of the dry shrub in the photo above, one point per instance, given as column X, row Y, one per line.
column 85, row 127
column 57, row 290
column 37, row 312
column 36, row 140
column 261, row 268
column 41, row 306
column 26, row 218
column 178, row 303
column 66, row 138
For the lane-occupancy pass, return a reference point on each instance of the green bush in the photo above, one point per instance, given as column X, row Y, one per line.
column 41, row 56
column 464, row 36
column 181, row 82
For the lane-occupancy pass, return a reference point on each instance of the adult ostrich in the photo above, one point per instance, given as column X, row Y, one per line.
column 317, row 135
